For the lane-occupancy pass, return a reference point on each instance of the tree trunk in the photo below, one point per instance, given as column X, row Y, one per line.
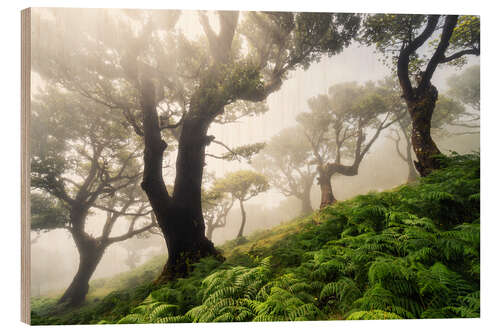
column 210, row 231
column 180, row 217
column 421, row 110
column 412, row 173
column 243, row 220
column 325, row 184
column 306, row 202
column 90, row 255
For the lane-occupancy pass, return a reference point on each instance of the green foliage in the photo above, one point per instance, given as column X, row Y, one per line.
column 287, row 161
column 465, row 87
column 47, row 213
column 243, row 184
column 344, row 124
column 466, row 35
column 372, row 315
column 245, row 151
column 408, row 253
column 389, row 33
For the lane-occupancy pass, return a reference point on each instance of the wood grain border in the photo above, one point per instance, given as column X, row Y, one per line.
column 25, row 164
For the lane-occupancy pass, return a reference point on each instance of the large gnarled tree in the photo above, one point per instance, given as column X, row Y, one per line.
column 447, row 112
column 162, row 80
column 341, row 128
column 419, row 44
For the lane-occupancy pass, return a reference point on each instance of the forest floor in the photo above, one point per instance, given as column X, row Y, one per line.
column 411, row 252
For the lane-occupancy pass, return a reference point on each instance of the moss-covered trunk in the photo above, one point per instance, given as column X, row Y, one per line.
column 325, row 185
column 421, row 109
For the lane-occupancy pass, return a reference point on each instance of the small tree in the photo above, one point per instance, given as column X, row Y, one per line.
column 337, row 129
column 416, row 55
column 216, row 206
column 242, row 185
column 287, row 161
column 465, row 88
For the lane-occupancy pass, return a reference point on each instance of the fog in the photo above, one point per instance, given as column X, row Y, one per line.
column 54, row 258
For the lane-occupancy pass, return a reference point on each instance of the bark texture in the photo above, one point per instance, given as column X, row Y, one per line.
column 90, row 253
column 325, row 184
column 179, row 216
column 90, row 256
column 422, row 99
column 425, row 148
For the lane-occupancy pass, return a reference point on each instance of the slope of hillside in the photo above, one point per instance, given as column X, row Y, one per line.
column 412, row 252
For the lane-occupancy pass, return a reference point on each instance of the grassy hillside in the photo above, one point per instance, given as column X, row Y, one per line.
column 412, row 252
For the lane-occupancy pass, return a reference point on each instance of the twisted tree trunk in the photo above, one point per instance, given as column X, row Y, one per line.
column 412, row 172
column 243, row 220
column 422, row 99
column 90, row 252
column 210, row 231
column 305, row 197
column 325, row 184
column 179, row 216
column 426, row 150
column 90, row 256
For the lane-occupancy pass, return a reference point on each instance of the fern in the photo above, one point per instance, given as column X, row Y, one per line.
column 372, row 315
column 408, row 253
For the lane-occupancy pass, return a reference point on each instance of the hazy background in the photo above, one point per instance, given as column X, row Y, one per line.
column 55, row 259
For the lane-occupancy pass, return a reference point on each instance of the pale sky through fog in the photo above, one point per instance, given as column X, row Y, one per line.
column 356, row 63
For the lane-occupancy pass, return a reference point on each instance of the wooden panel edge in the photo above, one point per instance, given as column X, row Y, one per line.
column 25, row 164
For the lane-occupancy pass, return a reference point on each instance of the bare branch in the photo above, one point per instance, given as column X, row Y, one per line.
column 460, row 54
column 235, row 154
column 467, row 133
column 465, row 125
column 132, row 233
column 449, row 25
column 408, row 50
column 111, row 210
column 132, row 121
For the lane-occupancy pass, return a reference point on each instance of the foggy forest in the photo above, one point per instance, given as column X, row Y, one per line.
column 220, row 166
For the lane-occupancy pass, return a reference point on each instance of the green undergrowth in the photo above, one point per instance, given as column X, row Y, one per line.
column 108, row 298
column 412, row 252
column 143, row 274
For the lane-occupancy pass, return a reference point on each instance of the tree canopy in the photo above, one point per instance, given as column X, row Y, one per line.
column 242, row 185
column 287, row 161
column 414, row 46
column 338, row 126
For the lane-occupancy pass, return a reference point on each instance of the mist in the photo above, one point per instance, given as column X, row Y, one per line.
column 54, row 256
